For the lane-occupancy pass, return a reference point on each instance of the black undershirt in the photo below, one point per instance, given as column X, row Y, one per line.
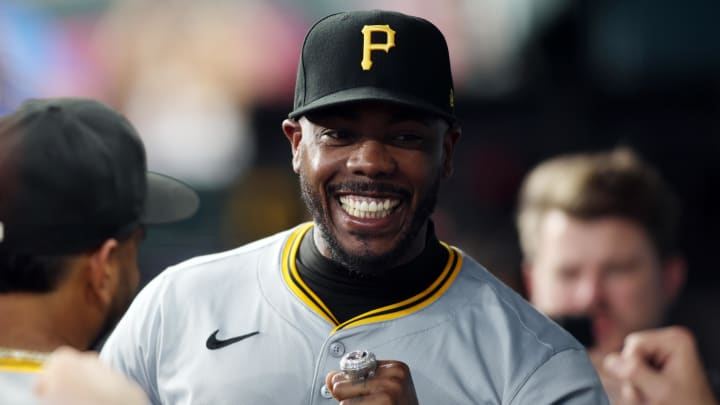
column 348, row 295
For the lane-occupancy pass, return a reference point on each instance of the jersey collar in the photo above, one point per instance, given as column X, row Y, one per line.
column 412, row 304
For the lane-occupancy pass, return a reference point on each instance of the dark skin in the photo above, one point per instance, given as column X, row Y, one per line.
column 378, row 154
column 99, row 285
column 370, row 173
column 391, row 384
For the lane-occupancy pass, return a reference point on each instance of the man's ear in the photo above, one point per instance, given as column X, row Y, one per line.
column 674, row 273
column 451, row 137
column 293, row 132
column 103, row 273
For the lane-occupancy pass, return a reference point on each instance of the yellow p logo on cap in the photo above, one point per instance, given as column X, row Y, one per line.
column 369, row 46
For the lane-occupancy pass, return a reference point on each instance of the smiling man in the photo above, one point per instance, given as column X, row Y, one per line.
column 372, row 135
column 370, row 174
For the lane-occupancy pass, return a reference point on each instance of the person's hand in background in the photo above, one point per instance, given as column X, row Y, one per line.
column 660, row 366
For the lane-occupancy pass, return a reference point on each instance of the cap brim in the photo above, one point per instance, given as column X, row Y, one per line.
column 359, row 94
column 168, row 200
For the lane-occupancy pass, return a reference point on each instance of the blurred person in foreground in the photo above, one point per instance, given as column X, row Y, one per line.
column 75, row 197
column 598, row 234
column 72, row 377
column 372, row 136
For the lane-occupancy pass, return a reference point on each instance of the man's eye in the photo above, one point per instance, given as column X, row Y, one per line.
column 621, row 269
column 408, row 138
column 336, row 136
column 568, row 275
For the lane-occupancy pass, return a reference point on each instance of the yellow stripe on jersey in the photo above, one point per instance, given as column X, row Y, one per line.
column 388, row 312
column 292, row 277
column 19, row 365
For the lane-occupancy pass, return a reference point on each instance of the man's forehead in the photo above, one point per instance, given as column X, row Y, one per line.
column 362, row 110
column 604, row 237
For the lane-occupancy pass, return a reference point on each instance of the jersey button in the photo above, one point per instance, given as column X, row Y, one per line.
column 325, row 392
column 336, row 349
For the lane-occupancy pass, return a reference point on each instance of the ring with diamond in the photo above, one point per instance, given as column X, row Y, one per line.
column 358, row 365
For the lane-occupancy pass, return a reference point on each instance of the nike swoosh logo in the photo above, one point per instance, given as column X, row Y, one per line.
column 213, row 343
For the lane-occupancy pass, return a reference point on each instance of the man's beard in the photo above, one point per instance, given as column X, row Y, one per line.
column 108, row 325
column 117, row 309
column 367, row 264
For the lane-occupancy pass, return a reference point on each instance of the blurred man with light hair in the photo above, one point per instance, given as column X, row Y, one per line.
column 598, row 235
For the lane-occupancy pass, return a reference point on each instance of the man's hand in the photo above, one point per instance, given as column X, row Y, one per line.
column 391, row 385
column 660, row 366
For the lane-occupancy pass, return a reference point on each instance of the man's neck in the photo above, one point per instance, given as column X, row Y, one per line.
column 346, row 294
column 38, row 322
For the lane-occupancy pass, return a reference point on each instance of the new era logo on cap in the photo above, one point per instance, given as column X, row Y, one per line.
column 374, row 56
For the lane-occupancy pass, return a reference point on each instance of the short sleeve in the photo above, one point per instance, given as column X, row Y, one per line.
column 568, row 377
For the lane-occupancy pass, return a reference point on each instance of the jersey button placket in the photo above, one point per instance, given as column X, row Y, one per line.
column 336, row 349
column 325, row 392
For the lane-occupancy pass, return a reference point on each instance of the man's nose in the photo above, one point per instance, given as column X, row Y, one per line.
column 588, row 294
column 372, row 158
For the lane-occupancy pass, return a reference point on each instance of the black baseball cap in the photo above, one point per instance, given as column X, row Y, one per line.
column 374, row 56
column 73, row 174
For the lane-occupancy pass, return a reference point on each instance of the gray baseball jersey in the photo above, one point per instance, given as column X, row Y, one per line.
column 241, row 327
column 17, row 388
column 17, row 377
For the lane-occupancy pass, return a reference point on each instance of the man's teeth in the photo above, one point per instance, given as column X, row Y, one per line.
column 368, row 207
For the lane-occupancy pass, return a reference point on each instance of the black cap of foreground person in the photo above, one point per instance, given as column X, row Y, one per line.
column 73, row 174
column 374, row 56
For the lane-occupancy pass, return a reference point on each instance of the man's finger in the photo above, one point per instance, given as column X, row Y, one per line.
column 644, row 379
column 389, row 378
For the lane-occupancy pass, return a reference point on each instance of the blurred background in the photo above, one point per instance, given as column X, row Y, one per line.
column 208, row 83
